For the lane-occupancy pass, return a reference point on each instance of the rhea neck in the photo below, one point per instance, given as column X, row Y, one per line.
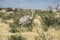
column 31, row 16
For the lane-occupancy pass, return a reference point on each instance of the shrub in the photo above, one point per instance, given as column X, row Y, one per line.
column 13, row 27
column 13, row 37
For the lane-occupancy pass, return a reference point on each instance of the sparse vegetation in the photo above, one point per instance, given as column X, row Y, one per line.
column 49, row 19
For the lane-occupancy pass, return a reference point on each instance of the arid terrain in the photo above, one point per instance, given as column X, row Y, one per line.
column 44, row 26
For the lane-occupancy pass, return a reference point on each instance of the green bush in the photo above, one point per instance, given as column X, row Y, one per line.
column 13, row 37
column 13, row 27
column 1, row 14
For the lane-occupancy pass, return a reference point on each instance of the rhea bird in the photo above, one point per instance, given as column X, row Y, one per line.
column 25, row 20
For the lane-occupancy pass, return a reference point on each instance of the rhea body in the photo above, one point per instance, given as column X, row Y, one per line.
column 25, row 20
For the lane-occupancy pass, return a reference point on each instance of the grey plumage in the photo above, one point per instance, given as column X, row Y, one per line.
column 25, row 20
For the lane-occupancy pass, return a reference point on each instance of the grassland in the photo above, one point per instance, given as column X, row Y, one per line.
column 44, row 26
